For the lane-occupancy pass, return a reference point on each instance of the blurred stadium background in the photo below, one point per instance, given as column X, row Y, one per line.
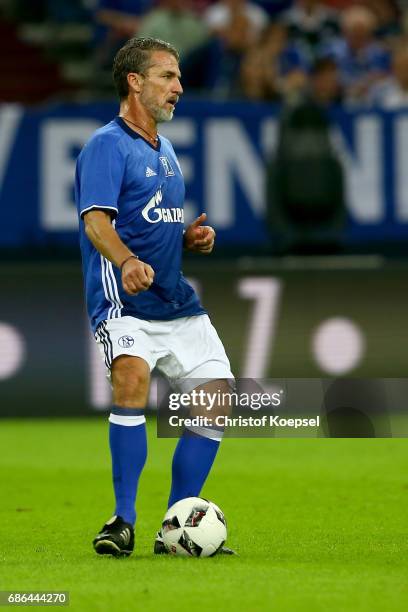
column 293, row 137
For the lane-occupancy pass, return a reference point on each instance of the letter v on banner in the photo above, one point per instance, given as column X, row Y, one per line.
column 10, row 119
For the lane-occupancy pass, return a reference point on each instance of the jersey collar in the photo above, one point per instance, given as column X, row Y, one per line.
column 121, row 123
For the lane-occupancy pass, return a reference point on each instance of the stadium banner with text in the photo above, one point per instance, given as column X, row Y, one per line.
column 276, row 322
column 222, row 149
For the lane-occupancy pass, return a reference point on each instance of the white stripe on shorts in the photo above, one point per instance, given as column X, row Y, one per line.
column 102, row 335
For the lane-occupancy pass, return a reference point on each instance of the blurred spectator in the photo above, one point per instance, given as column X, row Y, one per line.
column 254, row 82
column 305, row 201
column 393, row 92
column 311, row 23
column 274, row 69
column 236, row 25
column 388, row 17
column 361, row 59
column 237, row 22
column 173, row 22
column 115, row 22
column 121, row 15
column 199, row 54
column 324, row 86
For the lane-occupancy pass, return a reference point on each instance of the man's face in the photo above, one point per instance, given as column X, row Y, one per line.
column 161, row 86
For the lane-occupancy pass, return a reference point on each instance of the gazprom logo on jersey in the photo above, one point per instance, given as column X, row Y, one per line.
column 153, row 213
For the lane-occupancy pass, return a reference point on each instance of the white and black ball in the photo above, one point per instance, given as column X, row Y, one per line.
column 194, row 527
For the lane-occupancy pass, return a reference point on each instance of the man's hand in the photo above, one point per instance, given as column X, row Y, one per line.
column 199, row 238
column 136, row 276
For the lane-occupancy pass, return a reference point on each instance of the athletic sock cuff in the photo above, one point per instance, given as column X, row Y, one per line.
column 126, row 411
column 129, row 417
column 211, row 433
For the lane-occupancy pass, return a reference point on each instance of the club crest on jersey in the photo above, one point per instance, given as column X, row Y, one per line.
column 166, row 165
column 153, row 213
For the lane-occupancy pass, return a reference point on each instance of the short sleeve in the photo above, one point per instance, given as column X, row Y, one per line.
column 99, row 175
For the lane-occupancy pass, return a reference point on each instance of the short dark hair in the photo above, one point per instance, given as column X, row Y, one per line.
column 134, row 56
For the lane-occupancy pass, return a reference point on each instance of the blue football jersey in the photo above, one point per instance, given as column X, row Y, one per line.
column 142, row 188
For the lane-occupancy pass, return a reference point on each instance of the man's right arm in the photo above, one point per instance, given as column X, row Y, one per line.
column 136, row 275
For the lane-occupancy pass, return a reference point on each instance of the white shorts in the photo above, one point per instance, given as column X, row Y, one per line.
column 185, row 348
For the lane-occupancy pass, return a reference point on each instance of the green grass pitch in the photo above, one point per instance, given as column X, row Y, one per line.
column 319, row 524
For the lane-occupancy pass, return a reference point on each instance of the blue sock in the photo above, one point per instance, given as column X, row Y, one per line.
column 192, row 461
column 127, row 438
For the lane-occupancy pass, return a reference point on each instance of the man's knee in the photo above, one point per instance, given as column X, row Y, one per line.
column 130, row 381
column 216, row 400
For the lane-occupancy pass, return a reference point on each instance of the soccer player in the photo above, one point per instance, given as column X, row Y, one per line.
column 129, row 191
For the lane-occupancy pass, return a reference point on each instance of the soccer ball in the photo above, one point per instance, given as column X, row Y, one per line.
column 194, row 527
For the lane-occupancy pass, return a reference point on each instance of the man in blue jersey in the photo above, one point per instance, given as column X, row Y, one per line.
column 129, row 191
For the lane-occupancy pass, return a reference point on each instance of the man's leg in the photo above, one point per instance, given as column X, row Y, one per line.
column 194, row 457
column 127, row 431
column 197, row 354
column 196, row 450
column 127, row 437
